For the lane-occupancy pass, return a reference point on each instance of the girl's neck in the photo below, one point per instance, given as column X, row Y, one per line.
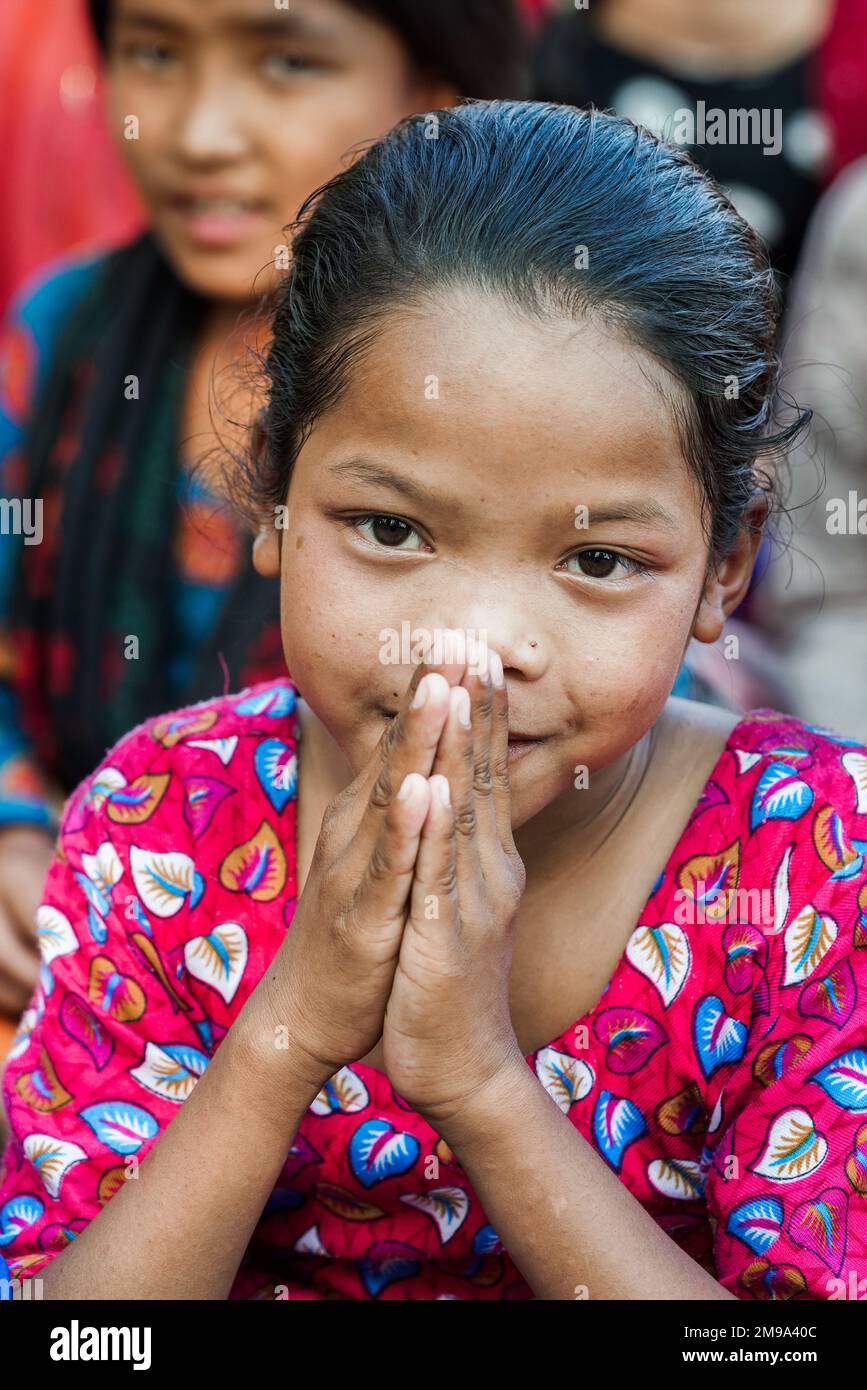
column 738, row 38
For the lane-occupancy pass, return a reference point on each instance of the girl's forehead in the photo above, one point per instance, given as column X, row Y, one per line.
column 465, row 358
column 504, row 406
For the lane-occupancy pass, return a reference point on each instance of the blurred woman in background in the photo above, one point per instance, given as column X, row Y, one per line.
column 227, row 116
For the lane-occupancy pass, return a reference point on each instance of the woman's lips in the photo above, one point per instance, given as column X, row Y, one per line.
column 217, row 221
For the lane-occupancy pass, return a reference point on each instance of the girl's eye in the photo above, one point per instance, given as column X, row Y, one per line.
column 601, row 564
column 385, row 530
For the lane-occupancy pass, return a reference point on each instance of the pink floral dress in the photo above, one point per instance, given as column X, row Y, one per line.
column 722, row 1074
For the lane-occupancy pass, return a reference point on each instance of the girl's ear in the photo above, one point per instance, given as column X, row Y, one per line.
column 727, row 586
column 266, row 550
column 266, row 545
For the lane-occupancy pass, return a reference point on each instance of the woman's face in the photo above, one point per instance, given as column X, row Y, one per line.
column 540, row 499
column 229, row 113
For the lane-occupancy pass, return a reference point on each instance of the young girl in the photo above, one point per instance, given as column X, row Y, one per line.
column 496, row 976
column 141, row 594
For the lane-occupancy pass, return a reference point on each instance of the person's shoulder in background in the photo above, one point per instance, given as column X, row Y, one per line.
column 810, row 600
column 836, row 244
column 31, row 322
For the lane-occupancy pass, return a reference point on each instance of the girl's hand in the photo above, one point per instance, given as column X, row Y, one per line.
column 448, row 1030
column 330, row 980
column 25, row 856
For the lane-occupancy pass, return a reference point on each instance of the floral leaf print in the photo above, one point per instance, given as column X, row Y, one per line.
column 758, row 1222
column 808, row 938
column 710, row 880
column 378, row 1150
column 223, row 748
column 630, row 1037
column 678, row 1178
column 219, row 959
column 175, row 727
column 277, row 770
column 202, row 797
column 41, row 1088
column 617, row 1123
column 52, row 1158
column 662, row 955
column 164, row 881
column 448, row 1208
column 136, row 802
column 79, row 1021
column 833, row 846
column 120, row 1125
column 718, row 1038
column 121, row 997
column 832, row 997
column 779, row 795
column 792, row 1147
column 855, row 765
column 170, row 1070
column 346, row 1204
column 845, row 1079
column 343, row 1094
column 54, row 933
column 17, row 1215
column 566, row 1079
column 820, row 1226
column 256, row 867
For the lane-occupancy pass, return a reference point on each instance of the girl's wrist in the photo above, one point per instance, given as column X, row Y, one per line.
column 273, row 1055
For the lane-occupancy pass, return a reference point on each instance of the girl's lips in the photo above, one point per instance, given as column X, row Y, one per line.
column 217, row 221
column 519, row 748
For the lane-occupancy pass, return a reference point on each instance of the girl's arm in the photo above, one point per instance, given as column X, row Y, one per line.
column 568, row 1222
column 180, row 1229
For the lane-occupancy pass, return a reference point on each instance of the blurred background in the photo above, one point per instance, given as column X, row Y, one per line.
column 146, row 244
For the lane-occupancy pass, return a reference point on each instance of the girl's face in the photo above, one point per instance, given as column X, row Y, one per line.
column 516, row 478
column 229, row 113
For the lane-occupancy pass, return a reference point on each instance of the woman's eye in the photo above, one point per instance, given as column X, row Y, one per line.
column 148, row 55
column 386, row 530
column 603, row 564
column 285, row 63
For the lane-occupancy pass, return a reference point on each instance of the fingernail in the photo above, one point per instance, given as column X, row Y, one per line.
column 420, row 695
column 461, row 697
column 497, row 670
column 406, row 787
column 441, row 789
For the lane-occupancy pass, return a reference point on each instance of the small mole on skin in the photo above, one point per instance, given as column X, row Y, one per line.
column 299, row 542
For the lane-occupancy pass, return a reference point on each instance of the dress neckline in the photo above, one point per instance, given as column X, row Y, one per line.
column 586, row 1019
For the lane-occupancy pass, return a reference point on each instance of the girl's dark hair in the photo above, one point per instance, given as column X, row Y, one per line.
column 559, row 212
column 478, row 46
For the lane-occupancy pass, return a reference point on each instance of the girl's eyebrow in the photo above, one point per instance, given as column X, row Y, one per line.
column 365, row 472
column 643, row 510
